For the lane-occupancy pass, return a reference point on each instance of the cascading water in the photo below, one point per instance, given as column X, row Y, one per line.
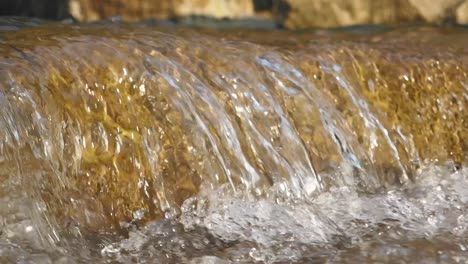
column 133, row 143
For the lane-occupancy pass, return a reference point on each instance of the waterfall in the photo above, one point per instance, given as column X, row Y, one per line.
column 108, row 127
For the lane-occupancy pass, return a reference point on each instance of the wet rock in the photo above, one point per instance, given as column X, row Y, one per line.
column 304, row 14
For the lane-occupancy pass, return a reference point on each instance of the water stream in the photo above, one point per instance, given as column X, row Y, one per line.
column 136, row 143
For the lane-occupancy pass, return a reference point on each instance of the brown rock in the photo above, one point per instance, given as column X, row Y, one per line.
column 462, row 13
column 290, row 13
column 436, row 10
column 215, row 8
column 304, row 14
column 90, row 10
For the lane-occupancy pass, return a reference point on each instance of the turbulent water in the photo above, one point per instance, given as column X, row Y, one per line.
column 135, row 143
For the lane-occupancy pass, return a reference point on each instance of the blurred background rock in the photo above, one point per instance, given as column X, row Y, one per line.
column 288, row 13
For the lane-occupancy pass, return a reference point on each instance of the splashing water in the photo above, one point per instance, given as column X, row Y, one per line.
column 133, row 143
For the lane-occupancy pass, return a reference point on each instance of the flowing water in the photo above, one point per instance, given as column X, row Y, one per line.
column 136, row 143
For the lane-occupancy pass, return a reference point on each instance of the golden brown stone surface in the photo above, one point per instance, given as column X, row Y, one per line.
column 305, row 13
column 337, row 13
column 90, row 10
column 462, row 13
